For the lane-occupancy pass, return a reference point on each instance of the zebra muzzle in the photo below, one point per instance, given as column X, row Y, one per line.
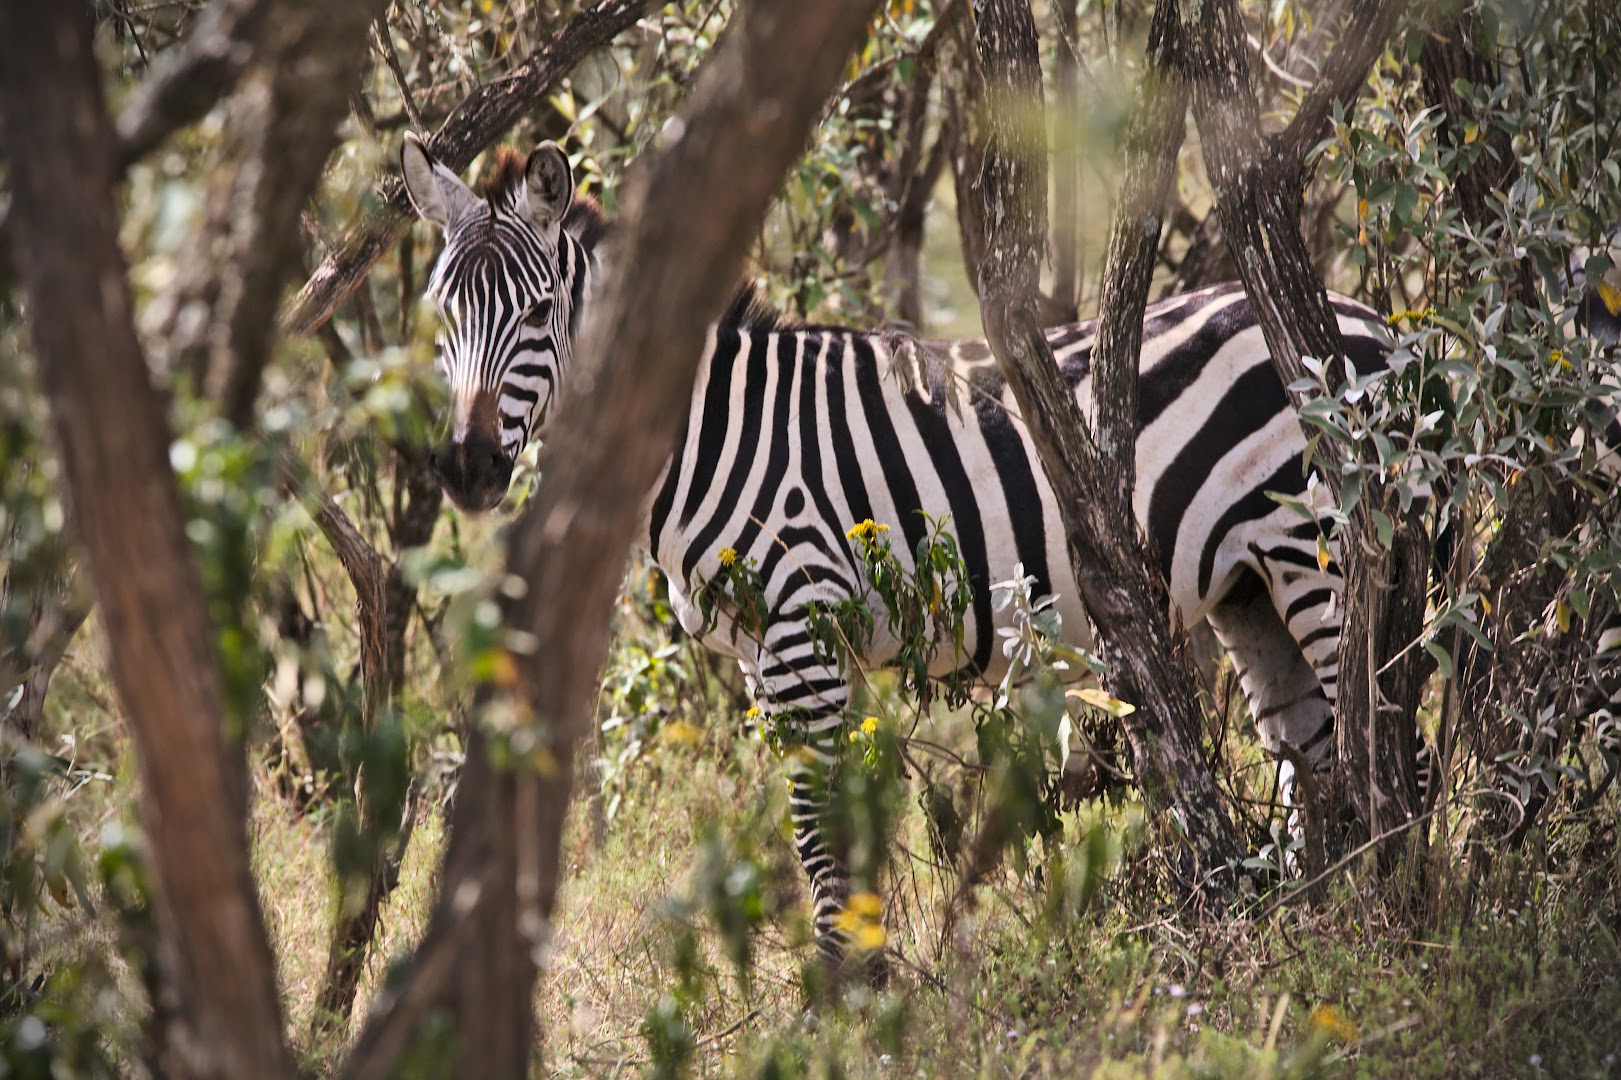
column 474, row 473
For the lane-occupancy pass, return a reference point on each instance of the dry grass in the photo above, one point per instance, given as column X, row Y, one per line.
column 1126, row 988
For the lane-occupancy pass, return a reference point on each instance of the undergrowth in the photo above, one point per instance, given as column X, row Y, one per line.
column 681, row 947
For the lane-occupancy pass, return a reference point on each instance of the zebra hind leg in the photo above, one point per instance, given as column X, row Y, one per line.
column 1285, row 694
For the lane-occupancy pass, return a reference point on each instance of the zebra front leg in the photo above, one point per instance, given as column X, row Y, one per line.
column 809, row 765
column 804, row 701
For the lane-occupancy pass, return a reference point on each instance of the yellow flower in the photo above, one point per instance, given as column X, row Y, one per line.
column 869, row 725
column 870, row 938
column 866, row 904
column 1427, row 313
column 728, row 556
column 1334, row 1024
column 867, row 529
column 1557, row 359
column 753, row 713
column 861, row 920
column 1611, row 296
column 682, row 733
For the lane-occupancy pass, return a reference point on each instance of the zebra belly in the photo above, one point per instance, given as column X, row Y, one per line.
column 796, row 436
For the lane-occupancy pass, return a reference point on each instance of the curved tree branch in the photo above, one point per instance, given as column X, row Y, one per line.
column 486, row 114
column 190, row 81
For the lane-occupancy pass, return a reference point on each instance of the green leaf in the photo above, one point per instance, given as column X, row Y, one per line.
column 1443, row 659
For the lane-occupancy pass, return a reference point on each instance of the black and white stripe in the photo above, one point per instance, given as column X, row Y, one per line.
column 796, row 433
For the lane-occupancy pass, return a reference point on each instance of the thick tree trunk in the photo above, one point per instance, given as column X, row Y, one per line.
column 115, row 454
column 1455, row 49
column 1259, row 184
column 1123, row 592
column 745, row 120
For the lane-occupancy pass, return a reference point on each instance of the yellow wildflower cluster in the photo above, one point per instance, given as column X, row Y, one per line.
column 866, row 530
column 863, row 920
column 727, row 557
column 1396, row 317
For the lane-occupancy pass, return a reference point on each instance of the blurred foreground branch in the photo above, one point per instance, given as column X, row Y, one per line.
column 114, row 445
column 745, row 120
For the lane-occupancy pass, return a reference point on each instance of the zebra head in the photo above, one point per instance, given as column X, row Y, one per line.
column 507, row 286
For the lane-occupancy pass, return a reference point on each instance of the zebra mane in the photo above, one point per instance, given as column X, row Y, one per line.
column 585, row 221
column 748, row 309
column 504, row 176
column 504, row 179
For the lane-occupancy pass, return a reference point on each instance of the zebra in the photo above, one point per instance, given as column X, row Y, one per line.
column 797, row 433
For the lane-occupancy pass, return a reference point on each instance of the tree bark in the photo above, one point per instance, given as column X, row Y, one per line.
column 115, row 454
column 677, row 261
column 1260, row 183
column 1453, row 49
column 1153, row 139
column 487, row 114
column 1122, row 590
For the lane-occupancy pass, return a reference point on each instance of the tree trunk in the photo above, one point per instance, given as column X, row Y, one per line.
column 1260, row 182
column 745, row 119
column 115, row 454
column 1121, row 587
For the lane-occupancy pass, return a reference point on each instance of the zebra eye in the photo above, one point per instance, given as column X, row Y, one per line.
column 539, row 315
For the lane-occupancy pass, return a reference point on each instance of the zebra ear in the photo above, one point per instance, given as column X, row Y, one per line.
column 549, row 181
column 437, row 193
